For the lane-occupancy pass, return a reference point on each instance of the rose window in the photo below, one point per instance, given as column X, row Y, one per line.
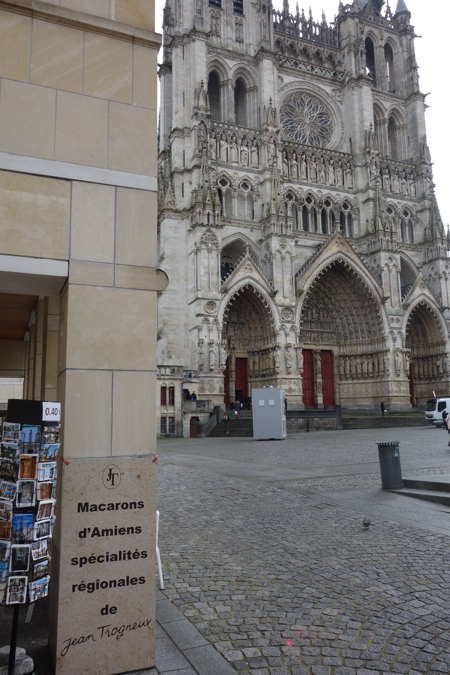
column 306, row 120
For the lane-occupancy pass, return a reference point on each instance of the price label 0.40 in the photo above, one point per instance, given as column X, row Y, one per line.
column 51, row 411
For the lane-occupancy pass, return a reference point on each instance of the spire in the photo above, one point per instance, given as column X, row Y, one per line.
column 401, row 7
column 437, row 227
column 286, row 7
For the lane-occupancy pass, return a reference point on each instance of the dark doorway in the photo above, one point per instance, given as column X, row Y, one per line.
column 194, row 427
column 241, row 379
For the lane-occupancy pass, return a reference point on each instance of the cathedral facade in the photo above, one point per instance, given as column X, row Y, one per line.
column 297, row 218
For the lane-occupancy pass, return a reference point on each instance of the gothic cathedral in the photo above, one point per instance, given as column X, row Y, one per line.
column 297, row 219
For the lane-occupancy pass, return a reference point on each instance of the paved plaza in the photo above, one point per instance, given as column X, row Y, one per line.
column 264, row 552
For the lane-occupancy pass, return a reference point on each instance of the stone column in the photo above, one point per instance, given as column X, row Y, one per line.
column 50, row 355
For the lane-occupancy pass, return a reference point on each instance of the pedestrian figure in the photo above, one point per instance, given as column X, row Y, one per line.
column 444, row 419
column 382, row 408
column 447, row 421
column 226, row 419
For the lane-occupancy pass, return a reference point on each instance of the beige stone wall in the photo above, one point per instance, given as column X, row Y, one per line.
column 12, row 358
column 10, row 389
column 95, row 91
column 78, row 186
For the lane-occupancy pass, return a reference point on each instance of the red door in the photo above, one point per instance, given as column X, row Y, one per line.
column 241, row 379
column 194, row 427
column 309, row 399
column 327, row 367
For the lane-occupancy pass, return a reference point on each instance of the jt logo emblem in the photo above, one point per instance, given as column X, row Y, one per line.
column 111, row 476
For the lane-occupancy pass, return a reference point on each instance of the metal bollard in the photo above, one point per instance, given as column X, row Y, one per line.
column 390, row 468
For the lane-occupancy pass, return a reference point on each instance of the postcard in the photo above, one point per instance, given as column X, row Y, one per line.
column 30, row 435
column 8, row 469
column 11, row 431
column 6, row 511
column 39, row 589
column 45, row 509
column 16, row 590
column 5, row 548
column 22, row 528
column 42, row 529
column 5, row 529
column 19, row 559
column 50, row 433
column 26, row 494
column 27, row 466
column 4, row 571
column 7, row 490
column 46, row 490
column 39, row 549
column 41, row 569
column 46, row 471
column 49, row 452
column 10, row 450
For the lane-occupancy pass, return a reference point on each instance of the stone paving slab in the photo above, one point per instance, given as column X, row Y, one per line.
column 281, row 578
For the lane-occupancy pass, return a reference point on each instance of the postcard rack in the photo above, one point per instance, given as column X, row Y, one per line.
column 29, row 451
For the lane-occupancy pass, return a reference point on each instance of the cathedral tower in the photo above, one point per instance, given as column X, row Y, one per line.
column 298, row 222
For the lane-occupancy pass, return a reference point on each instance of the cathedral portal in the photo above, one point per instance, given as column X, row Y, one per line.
column 249, row 339
column 345, row 358
column 427, row 351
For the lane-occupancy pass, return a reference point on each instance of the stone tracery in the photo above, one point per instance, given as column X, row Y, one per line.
column 307, row 120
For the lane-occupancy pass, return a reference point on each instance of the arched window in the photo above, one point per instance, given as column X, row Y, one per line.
column 230, row 256
column 305, row 218
column 394, row 146
column 349, row 224
column 324, row 221
column 332, row 221
column 407, row 228
column 240, row 102
column 346, row 220
column 214, row 96
column 226, row 198
column 378, row 129
column 371, row 70
column 245, row 202
column 389, row 60
column 314, row 219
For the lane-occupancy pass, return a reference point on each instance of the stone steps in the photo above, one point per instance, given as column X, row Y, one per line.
column 383, row 421
column 427, row 490
column 235, row 427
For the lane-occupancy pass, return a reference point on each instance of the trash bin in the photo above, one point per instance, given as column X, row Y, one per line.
column 391, row 471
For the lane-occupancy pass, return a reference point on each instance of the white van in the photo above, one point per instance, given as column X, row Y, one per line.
column 434, row 409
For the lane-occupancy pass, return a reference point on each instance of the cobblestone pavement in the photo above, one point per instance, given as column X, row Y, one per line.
column 281, row 577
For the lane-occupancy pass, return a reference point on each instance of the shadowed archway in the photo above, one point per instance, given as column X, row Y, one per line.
column 249, row 339
column 426, row 342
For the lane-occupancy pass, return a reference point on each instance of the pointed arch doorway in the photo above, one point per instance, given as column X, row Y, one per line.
column 426, row 346
column 345, row 358
column 249, row 339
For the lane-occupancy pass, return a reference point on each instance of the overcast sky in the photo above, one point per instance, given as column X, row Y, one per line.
column 431, row 20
